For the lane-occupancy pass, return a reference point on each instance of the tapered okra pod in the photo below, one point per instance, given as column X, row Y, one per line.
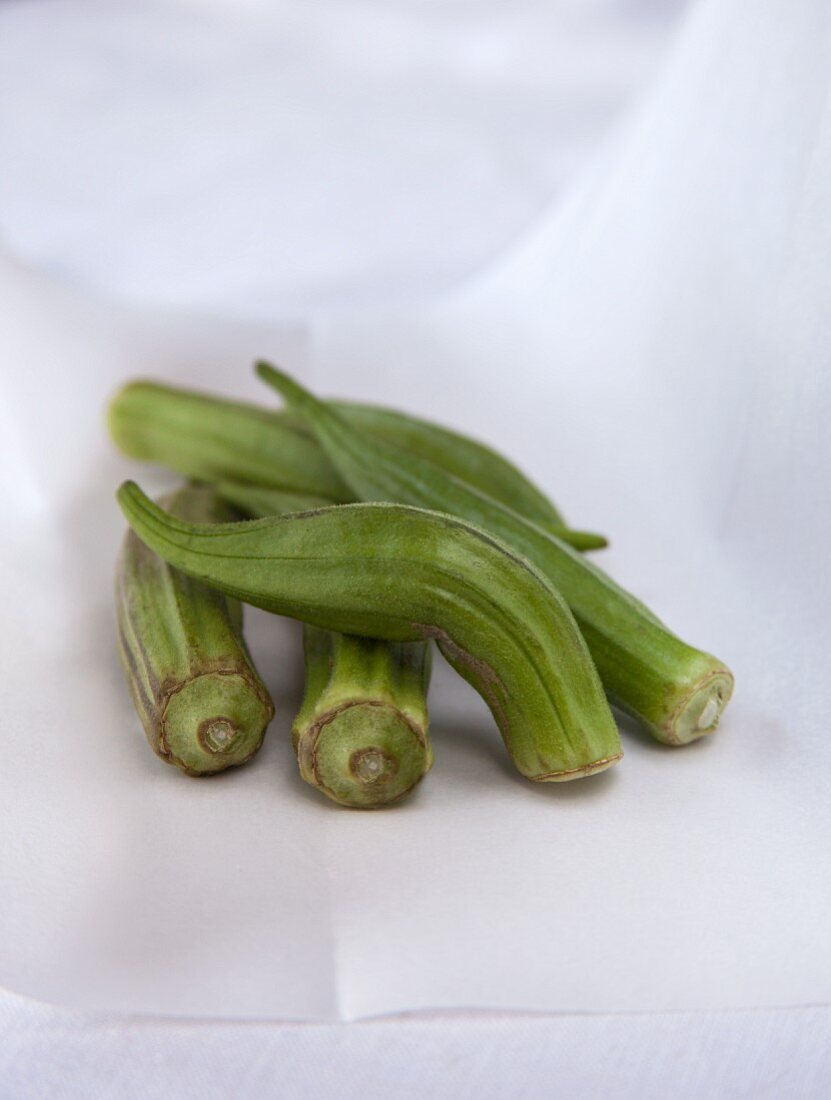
column 201, row 703
column 361, row 734
column 209, row 439
column 677, row 692
column 466, row 458
column 407, row 574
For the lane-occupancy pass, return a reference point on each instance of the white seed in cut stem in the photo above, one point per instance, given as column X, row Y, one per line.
column 709, row 713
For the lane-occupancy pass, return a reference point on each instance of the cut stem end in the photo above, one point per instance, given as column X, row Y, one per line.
column 578, row 773
column 699, row 713
column 218, row 734
column 364, row 755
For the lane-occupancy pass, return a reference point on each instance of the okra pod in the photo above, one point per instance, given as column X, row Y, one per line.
column 201, row 703
column 211, row 439
column 404, row 575
column 465, row 458
column 207, row 438
column 675, row 691
column 257, row 501
column 361, row 733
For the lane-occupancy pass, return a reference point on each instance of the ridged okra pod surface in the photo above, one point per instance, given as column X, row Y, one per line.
column 201, row 703
column 466, row 458
column 210, row 439
column 675, row 691
column 403, row 575
column 361, row 734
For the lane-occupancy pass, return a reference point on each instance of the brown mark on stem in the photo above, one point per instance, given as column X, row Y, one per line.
column 173, row 686
column 490, row 684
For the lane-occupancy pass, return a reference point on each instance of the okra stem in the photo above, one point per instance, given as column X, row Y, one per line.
column 361, row 734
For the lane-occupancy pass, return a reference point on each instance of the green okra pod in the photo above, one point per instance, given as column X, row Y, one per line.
column 474, row 462
column 361, row 735
column 403, row 575
column 257, row 501
column 208, row 438
column 675, row 691
column 211, row 439
column 201, row 703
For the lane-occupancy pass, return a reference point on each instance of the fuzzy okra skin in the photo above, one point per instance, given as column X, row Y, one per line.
column 403, row 575
column 201, row 703
column 210, row 438
column 675, row 691
column 361, row 733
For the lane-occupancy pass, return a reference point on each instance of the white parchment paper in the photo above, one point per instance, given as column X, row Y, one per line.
column 656, row 352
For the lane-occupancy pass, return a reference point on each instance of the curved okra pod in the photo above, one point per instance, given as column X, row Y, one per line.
column 405, row 574
column 675, row 691
column 361, row 733
column 210, row 439
column 201, row 703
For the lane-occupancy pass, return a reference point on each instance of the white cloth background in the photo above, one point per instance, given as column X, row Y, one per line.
column 655, row 350
column 259, row 158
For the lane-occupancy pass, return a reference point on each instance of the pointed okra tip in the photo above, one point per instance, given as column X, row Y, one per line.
column 292, row 392
column 128, row 496
column 133, row 500
column 142, row 513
